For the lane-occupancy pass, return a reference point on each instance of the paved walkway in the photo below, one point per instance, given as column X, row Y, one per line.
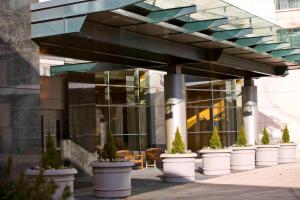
column 269, row 183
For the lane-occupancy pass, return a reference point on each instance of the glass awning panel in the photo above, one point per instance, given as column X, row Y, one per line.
column 214, row 9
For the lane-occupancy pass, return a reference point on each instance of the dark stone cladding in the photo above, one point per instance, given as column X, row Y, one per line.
column 20, row 134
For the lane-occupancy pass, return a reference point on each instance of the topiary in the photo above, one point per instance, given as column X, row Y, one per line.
column 177, row 144
column 50, row 158
column 109, row 151
column 215, row 141
column 241, row 139
column 285, row 135
column 265, row 138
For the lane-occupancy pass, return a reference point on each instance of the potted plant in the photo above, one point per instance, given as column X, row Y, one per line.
column 52, row 170
column 178, row 164
column 215, row 158
column 112, row 176
column 266, row 153
column 287, row 149
column 242, row 155
column 16, row 188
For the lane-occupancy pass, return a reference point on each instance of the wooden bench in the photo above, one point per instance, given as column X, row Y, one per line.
column 127, row 154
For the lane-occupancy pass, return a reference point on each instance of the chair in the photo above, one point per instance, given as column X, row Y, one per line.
column 152, row 154
column 136, row 159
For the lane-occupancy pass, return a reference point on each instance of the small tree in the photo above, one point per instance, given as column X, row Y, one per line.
column 265, row 138
column 177, row 144
column 215, row 141
column 109, row 151
column 50, row 158
column 40, row 189
column 241, row 139
column 285, row 135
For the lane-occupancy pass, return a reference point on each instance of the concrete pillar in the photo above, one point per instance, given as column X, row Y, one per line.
column 175, row 107
column 250, row 111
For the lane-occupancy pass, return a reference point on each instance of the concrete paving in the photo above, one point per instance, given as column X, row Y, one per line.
column 269, row 183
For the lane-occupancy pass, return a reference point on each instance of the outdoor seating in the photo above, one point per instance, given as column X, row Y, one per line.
column 129, row 155
column 152, row 155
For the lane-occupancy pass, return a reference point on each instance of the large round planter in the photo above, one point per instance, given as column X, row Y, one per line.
column 242, row 158
column 216, row 161
column 112, row 179
column 287, row 153
column 179, row 168
column 267, row 155
column 61, row 177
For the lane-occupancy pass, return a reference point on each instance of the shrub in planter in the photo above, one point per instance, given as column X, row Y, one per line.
column 11, row 189
column 266, row 153
column 52, row 170
column 112, row 176
column 242, row 155
column 287, row 149
column 178, row 164
column 216, row 159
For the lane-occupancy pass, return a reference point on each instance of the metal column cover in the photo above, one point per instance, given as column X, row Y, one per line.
column 250, row 113
column 175, row 103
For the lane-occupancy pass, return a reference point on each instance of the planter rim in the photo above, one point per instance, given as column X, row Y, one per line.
column 288, row 144
column 112, row 164
column 178, row 155
column 228, row 150
column 267, row 146
column 244, row 148
column 52, row 172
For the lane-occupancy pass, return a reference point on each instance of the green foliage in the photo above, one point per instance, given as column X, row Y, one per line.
column 19, row 189
column 177, row 144
column 215, row 141
column 50, row 158
column 285, row 135
column 109, row 151
column 265, row 138
column 241, row 139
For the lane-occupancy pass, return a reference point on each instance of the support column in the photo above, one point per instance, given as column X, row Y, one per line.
column 175, row 105
column 250, row 111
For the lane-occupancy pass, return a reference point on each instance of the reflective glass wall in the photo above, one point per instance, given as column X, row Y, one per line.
column 110, row 100
column 209, row 104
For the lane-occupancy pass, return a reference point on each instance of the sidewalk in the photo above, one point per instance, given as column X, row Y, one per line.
column 269, row 183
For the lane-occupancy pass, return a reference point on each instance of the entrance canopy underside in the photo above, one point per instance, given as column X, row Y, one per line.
column 210, row 38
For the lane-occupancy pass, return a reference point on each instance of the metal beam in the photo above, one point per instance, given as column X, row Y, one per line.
column 263, row 48
column 250, row 41
column 80, row 8
column 127, row 39
column 292, row 58
column 196, row 26
column 168, row 14
column 285, row 52
column 85, row 54
column 57, row 27
column 248, row 65
column 230, row 34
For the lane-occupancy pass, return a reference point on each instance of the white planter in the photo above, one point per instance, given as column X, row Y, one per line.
column 112, row 179
column 287, row 153
column 216, row 161
column 267, row 155
column 179, row 168
column 61, row 177
column 243, row 158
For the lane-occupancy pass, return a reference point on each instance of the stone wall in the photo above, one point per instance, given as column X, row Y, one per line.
column 20, row 134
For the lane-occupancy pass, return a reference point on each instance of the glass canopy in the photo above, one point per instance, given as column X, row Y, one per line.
column 214, row 9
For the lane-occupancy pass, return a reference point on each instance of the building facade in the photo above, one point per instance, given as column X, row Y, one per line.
column 278, row 103
column 184, row 78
